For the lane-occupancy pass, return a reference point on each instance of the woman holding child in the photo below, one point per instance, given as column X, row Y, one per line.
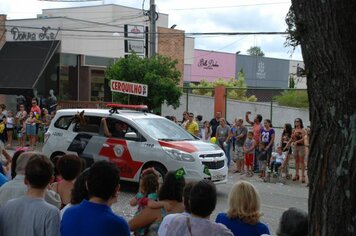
column 170, row 195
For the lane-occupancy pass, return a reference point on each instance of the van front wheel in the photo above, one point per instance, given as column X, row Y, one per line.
column 160, row 169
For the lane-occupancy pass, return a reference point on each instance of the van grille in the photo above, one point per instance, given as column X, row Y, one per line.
column 211, row 155
column 214, row 165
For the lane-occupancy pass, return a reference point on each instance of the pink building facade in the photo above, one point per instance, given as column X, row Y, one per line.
column 210, row 66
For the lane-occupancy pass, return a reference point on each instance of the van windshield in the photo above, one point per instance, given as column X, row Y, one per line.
column 164, row 129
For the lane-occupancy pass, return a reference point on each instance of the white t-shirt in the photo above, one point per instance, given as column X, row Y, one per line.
column 280, row 157
column 188, row 225
column 162, row 231
column 10, row 122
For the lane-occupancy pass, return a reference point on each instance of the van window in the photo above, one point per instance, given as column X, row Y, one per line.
column 119, row 128
column 164, row 129
column 91, row 125
column 63, row 122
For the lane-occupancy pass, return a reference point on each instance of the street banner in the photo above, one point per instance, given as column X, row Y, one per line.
column 129, row 88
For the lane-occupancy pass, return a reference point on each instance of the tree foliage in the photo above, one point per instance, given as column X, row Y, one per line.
column 293, row 98
column 158, row 72
column 255, row 51
column 291, row 84
column 236, row 91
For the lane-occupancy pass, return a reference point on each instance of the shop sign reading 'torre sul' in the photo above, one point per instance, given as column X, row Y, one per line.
column 19, row 35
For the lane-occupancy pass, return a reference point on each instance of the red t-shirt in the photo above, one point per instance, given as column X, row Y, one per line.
column 257, row 132
column 36, row 109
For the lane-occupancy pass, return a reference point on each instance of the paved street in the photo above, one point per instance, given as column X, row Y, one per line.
column 275, row 197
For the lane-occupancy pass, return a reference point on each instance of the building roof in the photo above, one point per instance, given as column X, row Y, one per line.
column 22, row 64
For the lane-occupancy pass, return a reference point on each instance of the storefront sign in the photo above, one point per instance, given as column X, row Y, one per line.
column 134, row 31
column 261, row 74
column 129, row 88
column 136, row 46
column 208, row 64
column 18, row 35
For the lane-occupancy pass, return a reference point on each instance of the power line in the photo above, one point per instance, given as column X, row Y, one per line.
column 168, row 33
column 222, row 7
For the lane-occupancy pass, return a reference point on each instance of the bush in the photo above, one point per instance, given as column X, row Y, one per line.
column 293, row 98
column 207, row 88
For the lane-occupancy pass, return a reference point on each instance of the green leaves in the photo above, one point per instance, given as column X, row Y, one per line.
column 255, row 51
column 293, row 98
column 158, row 72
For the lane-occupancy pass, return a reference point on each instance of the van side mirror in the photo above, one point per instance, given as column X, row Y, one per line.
column 131, row 136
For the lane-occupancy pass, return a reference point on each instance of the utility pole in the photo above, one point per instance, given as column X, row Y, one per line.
column 152, row 28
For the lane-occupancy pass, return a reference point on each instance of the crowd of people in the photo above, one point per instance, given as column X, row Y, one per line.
column 24, row 125
column 61, row 197
column 254, row 150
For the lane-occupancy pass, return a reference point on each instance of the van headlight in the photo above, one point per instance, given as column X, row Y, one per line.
column 178, row 155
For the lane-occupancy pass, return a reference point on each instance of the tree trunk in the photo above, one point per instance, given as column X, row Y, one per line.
column 327, row 30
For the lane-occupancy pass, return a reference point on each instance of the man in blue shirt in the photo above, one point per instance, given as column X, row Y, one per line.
column 95, row 217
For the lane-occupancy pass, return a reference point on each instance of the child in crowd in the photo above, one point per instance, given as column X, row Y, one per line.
column 277, row 159
column 206, row 132
column 21, row 133
column 249, row 151
column 31, row 129
column 262, row 160
column 46, row 120
column 10, row 122
column 147, row 195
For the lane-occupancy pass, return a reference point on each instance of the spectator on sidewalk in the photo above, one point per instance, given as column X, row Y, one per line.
column 95, row 217
column 294, row 222
column 256, row 128
column 170, row 192
column 214, row 123
column 192, row 126
column 30, row 214
column 162, row 231
column 202, row 203
column 244, row 212
column 69, row 167
column 79, row 191
column 16, row 187
column 240, row 134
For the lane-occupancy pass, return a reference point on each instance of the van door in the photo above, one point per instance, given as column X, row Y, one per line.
column 121, row 150
column 87, row 142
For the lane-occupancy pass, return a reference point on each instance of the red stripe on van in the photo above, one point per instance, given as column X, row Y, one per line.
column 180, row 145
column 128, row 167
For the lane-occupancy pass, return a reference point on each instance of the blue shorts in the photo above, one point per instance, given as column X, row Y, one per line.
column 30, row 129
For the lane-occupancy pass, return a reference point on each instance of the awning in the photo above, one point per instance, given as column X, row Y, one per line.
column 22, row 64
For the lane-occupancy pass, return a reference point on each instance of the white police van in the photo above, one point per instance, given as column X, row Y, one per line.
column 148, row 141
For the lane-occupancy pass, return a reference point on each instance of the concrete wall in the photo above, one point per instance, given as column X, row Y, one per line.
column 202, row 105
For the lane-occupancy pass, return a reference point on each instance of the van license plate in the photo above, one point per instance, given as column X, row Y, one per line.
column 218, row 177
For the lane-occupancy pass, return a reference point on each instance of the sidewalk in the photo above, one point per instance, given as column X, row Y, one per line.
column 11, row 151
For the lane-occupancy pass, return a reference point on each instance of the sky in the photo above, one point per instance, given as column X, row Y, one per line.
column 198, row 16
